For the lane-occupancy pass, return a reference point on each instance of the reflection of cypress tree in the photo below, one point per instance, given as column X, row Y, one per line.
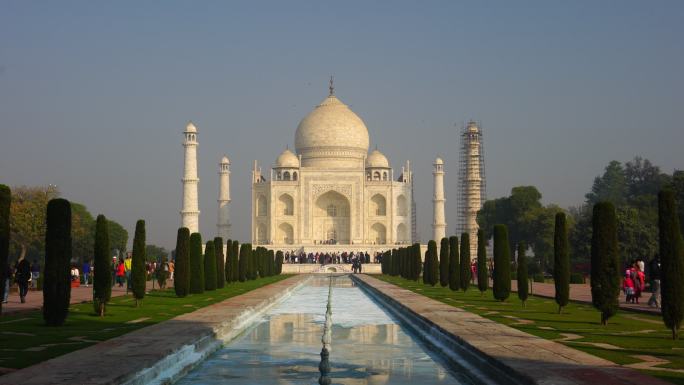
column 218, row 252
column 245, row 255
column 56, row 284
column 5, row 202
column 502, row 263
column 138, row 271
column 196, row 265
column 671, row 257
column 181, row 272
column 229, row 261
column 465, row 261
column 444, row 262
column 561, row 262
column 454, row 271
column 482, row 273
column 209, row 266
column 605, row 261
column 102, row 282
column 523, row 284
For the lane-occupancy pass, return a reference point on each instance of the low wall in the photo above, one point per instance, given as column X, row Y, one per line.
column 313, row 268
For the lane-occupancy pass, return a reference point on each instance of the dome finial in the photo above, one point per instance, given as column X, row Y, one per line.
column 331, row 87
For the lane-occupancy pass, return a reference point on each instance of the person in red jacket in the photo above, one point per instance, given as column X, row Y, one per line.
column 120, row 273
column 628, row 287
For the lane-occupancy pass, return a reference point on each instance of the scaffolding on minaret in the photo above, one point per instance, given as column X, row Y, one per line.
column 472, row 182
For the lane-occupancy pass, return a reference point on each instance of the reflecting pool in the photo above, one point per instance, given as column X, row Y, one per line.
column 369, row 346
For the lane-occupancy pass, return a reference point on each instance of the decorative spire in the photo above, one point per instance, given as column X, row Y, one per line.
column 331, row 87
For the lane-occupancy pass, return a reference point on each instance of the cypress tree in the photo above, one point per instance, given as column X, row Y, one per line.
column 220, row 263
column 502, row 263
column 561, row 262
column 5, row 202
column 605, row 261
column 465, row 262
column 417, row 261
column 209, row 266
column 196, row 265
column 454, row 271
column 444, row 262
column 228, row 273
column 395, row 262
column 523, row 284
column 271, row 263
column 102, row 281
column 234, row 270
column 279, row 262
column 482, row 273
column 138, row 271
column 181, row 272
column 433, row 269
column 57, row 283
column 672, row 262
column 245, row 255
column 383, row 263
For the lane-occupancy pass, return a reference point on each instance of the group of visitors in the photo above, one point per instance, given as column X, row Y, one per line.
column 634, row 282
column 328, row 258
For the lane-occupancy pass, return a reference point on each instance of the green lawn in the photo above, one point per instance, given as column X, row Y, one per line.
column 25, row 340
column 628, row 333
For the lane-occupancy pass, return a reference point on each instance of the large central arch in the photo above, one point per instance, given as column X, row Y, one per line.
column 331, row 218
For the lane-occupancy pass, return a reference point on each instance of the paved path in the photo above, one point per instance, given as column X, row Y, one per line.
column 533, row 359
column 140, row 356
column 582, row 293
column 34, row 299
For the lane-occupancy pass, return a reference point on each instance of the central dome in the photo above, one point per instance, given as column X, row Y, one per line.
column 332, row 135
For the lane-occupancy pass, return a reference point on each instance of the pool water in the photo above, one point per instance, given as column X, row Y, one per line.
column 369, row 346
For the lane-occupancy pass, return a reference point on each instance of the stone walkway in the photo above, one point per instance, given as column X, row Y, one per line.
column 582, row 293
column 540, row 361
column 140, row 356
column 34, row 299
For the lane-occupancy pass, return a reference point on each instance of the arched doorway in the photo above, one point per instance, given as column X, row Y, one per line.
column 331, row 222
column 378, row 234
column 285, row 234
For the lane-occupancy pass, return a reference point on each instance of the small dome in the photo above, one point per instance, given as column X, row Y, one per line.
column 190, row 128
column 377, row 159
column 472, row 127
column 439, row 161
column 225, row 160
column 287, row 159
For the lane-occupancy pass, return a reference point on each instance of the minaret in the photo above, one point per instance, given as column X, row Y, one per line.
column 439, row 221
column 472, row 182
column 223, row 224
column 190, row 212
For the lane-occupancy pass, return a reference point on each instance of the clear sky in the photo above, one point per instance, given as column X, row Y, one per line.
column 94, row 96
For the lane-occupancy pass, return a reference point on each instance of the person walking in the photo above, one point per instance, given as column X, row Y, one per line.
column 120, row 273
column 23, row 277
column 35, row 274
column 654, row 274
column 128, row 263
column 86, row 273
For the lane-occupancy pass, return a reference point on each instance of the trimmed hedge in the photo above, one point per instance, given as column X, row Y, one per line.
column 181, row 272
column 196, row 265
column 5, row 203
column 454, row 267
column 209, row 266
column 102, row 281
column 605, row 261
column 279, row 262
column 444, row 262
column 220, row 263
column 465, row 273
column 672, row 262
column 57, row 281
column 561, row 262
column 245, row 256
column 138, row 271
column 482, row 268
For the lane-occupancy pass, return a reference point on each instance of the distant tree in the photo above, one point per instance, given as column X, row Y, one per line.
column 561, row 262
column 465, row 273
column 102, row 281
column 433, row 267
column 523, row 283
column 611, row 186
column 605, row 263
column 138, row 270
column 154, row 253
column 672, row 262
column 181, row 275
column 454, row 264
column 28, row 219
column 220, row 268
column 234, row 270
column 279, row 262
column 444, row 262
column 245, row 256
column 209, row 266
column 196, row 264
column 118, row 236
column 228, row 273
column 502, row 263
column 5, row 203
column 57, row 283
column 482, row 273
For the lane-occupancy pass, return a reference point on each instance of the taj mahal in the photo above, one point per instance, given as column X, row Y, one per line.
column 330, row 194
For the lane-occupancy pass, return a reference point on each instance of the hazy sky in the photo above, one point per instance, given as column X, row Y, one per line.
column 94, row 96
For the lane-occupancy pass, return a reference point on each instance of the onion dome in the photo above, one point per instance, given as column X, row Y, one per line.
column 377, row 159
column 287, row 159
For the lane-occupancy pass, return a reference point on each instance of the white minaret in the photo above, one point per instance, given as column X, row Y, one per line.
column 190, row 212
column 439, row 221
column 223, row 225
